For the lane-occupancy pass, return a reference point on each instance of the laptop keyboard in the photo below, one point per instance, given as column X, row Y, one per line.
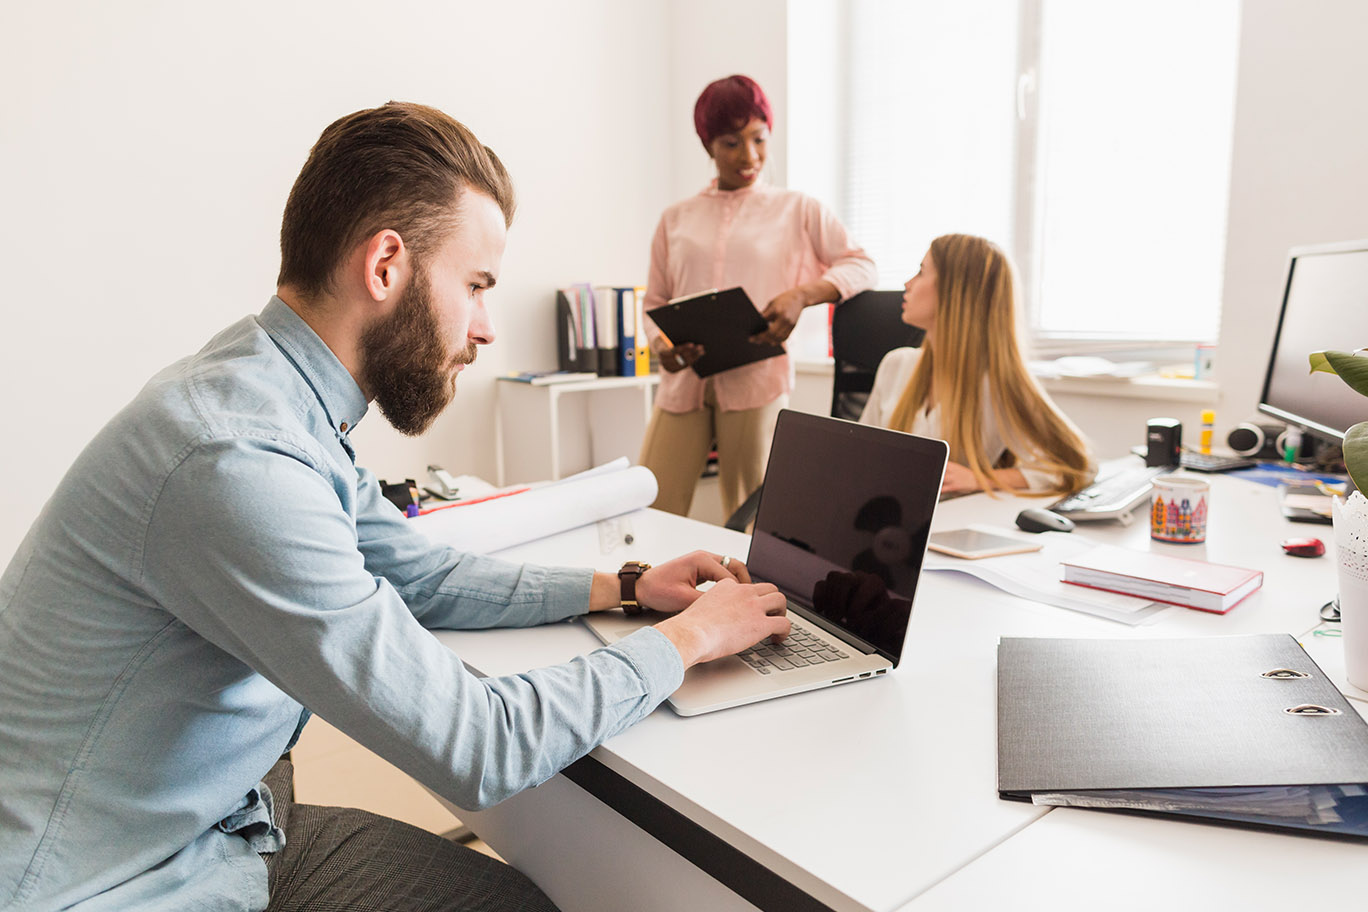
column 801, row 649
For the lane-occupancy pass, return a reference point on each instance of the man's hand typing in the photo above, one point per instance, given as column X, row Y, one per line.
column 726, row 619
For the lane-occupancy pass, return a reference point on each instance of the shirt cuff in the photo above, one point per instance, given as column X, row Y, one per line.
column 847, row 285
column 655, row 659
column 566, row 591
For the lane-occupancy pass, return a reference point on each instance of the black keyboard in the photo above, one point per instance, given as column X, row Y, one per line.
column 1210, row 462
column 1113, row 497
column 1207, row 462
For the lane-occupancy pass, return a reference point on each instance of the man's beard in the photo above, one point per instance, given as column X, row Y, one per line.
column 405, row 364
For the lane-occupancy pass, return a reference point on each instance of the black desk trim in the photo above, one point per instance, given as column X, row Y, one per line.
column 712, row 855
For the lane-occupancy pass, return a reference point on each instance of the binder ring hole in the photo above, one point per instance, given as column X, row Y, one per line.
column 1285, row 674
column 1311, row 709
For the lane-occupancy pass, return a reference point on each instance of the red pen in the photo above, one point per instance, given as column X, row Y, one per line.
column 473, row 500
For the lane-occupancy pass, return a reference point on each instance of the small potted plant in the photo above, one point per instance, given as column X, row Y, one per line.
column 1351, row 519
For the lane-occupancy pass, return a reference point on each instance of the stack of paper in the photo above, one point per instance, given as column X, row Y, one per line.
column 1305, row 805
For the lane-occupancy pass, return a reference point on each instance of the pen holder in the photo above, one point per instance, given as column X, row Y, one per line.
column 1351, row 555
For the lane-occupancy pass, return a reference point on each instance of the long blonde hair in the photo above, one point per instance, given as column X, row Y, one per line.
column 976, row 337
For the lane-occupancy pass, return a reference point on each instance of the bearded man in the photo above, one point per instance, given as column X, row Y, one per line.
column 215, row 567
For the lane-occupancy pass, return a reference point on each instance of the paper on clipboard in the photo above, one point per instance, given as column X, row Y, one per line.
column 720, row 321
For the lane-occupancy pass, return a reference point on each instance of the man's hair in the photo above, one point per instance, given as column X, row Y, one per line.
column 398, row 166
column 727, row 105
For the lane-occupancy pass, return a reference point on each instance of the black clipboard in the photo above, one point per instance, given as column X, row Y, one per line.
column 720, row 321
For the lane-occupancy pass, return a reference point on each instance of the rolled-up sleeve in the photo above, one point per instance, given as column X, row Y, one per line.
column 849, row 268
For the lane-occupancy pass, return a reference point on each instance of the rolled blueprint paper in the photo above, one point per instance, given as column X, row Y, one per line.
column 555, row 507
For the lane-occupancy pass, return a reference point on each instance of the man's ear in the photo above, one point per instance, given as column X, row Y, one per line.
column 386, row 264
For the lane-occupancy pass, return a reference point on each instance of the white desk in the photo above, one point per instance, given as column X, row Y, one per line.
column 878, row 795
column 548, row 432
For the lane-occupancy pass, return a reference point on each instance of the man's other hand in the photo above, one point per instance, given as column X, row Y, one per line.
column 673, row 585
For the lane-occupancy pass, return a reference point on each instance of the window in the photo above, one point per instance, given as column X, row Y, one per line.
column 1091, row 140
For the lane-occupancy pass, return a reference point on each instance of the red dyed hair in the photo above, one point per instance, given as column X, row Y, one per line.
column 727, row 105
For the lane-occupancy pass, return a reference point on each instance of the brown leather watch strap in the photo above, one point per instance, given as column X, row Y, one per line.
column 628, row 576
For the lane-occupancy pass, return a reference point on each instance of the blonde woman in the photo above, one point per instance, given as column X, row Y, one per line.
column 968, row 384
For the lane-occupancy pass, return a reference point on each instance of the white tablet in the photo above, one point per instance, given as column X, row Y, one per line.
column 972, row 544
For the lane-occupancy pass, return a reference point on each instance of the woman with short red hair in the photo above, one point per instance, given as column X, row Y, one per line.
column 785, row 249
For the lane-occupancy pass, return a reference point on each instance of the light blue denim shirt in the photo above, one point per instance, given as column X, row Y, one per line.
column 212, row 564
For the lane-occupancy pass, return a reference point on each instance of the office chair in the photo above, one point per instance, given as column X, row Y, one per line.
column 863, row 329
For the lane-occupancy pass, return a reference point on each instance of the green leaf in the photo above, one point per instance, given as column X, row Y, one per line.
column 1352, row 368
column 1356, row 455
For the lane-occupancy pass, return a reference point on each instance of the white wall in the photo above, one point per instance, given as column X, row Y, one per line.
column 710, row 39
column 147, row 149
column 1298, row 175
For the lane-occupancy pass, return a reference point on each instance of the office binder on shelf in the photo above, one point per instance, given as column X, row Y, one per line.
column 643, row 350
column 575, row 348
column 606, row 330
column 722, row 322
column 1243, row 729
column 623, row 307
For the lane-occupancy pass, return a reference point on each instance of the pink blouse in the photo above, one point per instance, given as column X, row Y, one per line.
column 767, row 241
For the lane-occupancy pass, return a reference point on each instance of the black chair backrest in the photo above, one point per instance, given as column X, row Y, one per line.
column 864, row 329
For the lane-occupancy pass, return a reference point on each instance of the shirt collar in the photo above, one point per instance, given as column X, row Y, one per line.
column 711, row 189
column 332, row 383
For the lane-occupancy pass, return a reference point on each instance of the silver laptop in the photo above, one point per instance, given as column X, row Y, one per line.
column 841, row 530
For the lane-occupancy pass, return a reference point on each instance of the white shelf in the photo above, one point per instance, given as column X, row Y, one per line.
column 548, row 432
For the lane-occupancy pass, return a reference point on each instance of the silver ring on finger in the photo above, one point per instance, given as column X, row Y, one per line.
column 726, row 561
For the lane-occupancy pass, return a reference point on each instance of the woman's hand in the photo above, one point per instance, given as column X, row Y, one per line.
column 782, row 315
column 681, row 357
column 783, row 312
column 958, row 478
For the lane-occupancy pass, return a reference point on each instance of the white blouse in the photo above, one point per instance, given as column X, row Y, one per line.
column 895, row 370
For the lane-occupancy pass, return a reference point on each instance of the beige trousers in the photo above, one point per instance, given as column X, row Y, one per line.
column 676, row 450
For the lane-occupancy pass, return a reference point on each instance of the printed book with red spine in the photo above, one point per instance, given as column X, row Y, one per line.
column 1162, row 578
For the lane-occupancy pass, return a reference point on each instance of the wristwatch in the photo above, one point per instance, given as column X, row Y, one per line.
column 628, row 576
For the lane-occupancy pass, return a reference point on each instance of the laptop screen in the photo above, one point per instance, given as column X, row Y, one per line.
column 843, row 523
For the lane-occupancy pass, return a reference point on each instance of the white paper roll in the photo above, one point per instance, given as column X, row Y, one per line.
column 1351, row 554
column 542, row 511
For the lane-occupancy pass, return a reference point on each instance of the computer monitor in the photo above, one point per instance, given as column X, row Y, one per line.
column 1325, row 306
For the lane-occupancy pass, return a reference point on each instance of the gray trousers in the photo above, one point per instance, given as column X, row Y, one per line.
column 347, row 859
